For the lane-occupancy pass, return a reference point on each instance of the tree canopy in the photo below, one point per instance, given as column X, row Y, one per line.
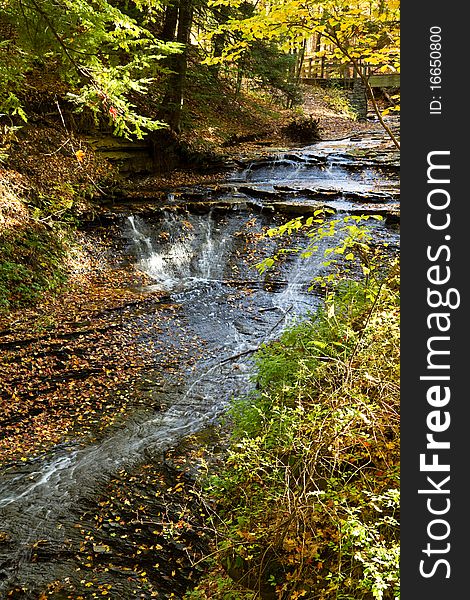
column 104, row 51
column 108, row 53
column 365, row 31
column 366, row 34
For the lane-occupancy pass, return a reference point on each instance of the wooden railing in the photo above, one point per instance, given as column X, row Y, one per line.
column 322, row 70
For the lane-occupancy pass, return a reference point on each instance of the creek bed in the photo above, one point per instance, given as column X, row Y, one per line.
column 112, row 517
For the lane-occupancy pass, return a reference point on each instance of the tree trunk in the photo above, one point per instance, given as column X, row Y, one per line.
column 173, row 101
column 167, row 34
column 218, row 41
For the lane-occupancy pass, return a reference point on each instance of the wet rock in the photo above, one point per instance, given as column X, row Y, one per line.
column 257, row 193
column 297, row 208
column 101, row 549
column 390, row 213
column 392, row 217
column 367, row 196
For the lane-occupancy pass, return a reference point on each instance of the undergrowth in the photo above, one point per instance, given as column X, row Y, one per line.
column 338, row 100
column 32, row 253
column 30, row 264
column 308, row 503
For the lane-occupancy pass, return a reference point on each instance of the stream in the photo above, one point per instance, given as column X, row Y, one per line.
column 200, row 250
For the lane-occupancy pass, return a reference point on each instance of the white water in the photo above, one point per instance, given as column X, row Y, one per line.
column 186, row 249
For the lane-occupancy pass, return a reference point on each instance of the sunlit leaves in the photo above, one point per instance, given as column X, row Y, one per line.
column 93, row 46
column 365, row 35
column 368, row 31
column 351, row 242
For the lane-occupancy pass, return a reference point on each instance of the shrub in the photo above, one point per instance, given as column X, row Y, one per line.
column 31, row 262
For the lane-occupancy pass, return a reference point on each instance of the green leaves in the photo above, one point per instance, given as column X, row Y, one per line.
column 97, row 48
column 351, row 245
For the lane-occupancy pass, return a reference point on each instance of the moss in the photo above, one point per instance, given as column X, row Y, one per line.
column 31, row 262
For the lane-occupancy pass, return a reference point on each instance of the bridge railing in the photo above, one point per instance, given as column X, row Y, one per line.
column 322, row 70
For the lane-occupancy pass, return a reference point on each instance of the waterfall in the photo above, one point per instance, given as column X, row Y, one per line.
column 207, row 257
column 165, row 260
column 141, row 241
column 181, row 250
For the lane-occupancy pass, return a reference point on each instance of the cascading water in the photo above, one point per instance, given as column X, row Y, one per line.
column 185, row 249
column 332, row 166
column 205, row 262
column 166, row 268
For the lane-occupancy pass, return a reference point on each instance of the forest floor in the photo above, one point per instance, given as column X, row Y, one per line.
column 335, row 123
